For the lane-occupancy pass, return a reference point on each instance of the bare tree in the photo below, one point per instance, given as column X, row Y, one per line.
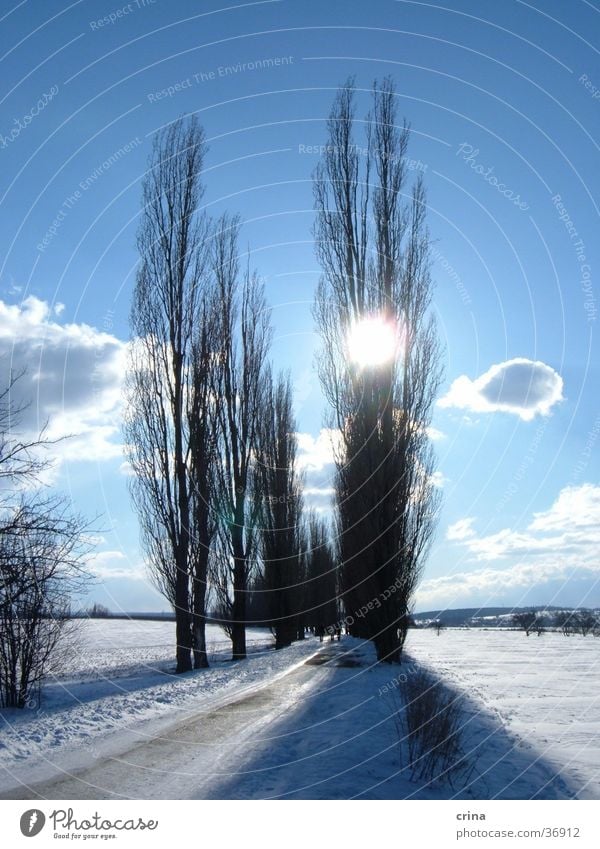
column 581, row 621
column 43, row 551
column 584, row 622
column 166, row 313
column 373, row 248
column 527, row 620
column 98, row 611
column 22, row 458
column 280, row 494
column 564, row 620
column 244, row 332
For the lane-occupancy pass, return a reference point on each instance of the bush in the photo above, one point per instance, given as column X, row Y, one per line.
column 429, row 719
column 43, row 551
column 42, row 565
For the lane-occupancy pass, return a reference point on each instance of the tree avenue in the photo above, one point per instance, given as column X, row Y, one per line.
column 211, row 432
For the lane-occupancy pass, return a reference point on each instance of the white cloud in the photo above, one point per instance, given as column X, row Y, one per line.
column 487, row 584
column 316, row 453
column 560, row 543
column 434, row 434
column 576, row 507
column 460, row 530
column 523, row 387
column 303, row 387
column 115, row 564
column 73, row 377
column 571, row 526
column 319, row 491
column 318, row 496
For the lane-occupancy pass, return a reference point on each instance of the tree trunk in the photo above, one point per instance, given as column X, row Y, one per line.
column 199, row 611
column 182, row 586
column 285, row 626
column 238, row 630
column 199, row 641
column 284, row 634
column 182, row 619
column 238, row 638
column 184, row 640
column 387, row 645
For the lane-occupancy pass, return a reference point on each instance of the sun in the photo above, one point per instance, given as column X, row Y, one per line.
column 372, row 341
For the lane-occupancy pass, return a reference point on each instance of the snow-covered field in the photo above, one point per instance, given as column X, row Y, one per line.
column 544, row 690
column 530, row 722
column 118, row 647
column 275, row 726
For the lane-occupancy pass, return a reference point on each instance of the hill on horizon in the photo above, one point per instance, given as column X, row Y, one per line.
column 455, row 617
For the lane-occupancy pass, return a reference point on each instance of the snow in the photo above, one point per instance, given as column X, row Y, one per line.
column 343, row 743
column 543, row 691
column 310, row 721
column 116, row 690
column 114, row 647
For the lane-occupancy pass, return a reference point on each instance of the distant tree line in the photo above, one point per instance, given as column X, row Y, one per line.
column 579, row 621
column 98, row 611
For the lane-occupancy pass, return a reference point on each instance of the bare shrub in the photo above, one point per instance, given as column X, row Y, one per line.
column 42, row 566
column 429, row 719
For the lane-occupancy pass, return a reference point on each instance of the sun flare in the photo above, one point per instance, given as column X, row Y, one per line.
column 372, row 342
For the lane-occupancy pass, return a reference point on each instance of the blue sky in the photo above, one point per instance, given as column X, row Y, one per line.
column 504, row 104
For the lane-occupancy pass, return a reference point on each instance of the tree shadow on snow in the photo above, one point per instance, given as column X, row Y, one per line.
column 342, row 742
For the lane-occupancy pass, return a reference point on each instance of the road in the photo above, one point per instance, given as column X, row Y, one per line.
column 189, row 759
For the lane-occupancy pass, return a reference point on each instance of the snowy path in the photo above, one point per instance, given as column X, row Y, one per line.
column 186, row 760
column 82, row 721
